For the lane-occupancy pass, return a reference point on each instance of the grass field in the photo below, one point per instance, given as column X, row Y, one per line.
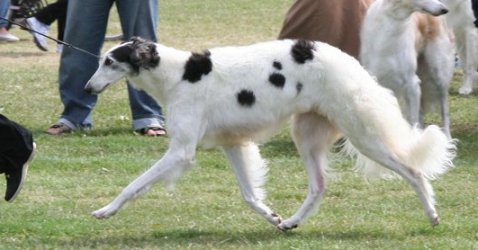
column 75, row 174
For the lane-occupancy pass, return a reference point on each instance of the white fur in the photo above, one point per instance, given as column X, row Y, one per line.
column 417, row 64
column 460, row 19
column 338, row 96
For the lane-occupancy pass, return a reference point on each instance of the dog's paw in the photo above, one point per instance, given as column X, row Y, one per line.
column 435, row 221
column 287, row 225
column 275, row 219
column 104, row 213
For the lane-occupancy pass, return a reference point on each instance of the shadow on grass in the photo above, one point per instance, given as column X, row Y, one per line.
column 20, row 54
column 113, row 131
column 187, row 238
column 281, row 145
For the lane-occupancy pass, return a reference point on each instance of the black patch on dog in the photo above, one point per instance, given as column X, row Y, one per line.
column 277, row 80
column 277, row 65
column 302, row 51
column 122, row 53
column 246, row 98
column 143, row 54
column 299, row 87
column 196, row 66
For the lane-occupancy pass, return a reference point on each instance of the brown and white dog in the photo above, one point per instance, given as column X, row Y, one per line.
column 407, row 46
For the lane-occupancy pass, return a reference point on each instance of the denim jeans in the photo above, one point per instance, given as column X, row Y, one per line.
column 4, row 9
column 86, row 28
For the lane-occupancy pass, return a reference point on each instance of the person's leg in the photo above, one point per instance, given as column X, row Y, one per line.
column 85, row 28
column 139, row 18
column 4, row 8
column 474, row 6
column 14, row 155
column 61, row 20
column 4, row 34
column 50, row 13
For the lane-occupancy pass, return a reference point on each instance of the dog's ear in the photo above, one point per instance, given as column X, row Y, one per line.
column 143, row 54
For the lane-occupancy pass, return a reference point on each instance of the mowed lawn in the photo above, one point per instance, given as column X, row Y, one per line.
column 75, row 174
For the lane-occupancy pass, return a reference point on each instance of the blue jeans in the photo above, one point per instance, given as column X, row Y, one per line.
column 4, row 9
column 86, row 28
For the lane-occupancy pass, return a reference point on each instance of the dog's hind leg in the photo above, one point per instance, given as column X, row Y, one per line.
column 378, row 152
column 251, row 171
column 176, row 160
column 313, row 136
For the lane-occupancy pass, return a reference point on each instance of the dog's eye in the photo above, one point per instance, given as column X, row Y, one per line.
column 108, row 62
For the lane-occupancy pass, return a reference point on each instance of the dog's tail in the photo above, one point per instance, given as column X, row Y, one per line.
column 430, row 151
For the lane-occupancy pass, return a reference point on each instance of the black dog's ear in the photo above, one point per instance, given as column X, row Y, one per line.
column 143, row 54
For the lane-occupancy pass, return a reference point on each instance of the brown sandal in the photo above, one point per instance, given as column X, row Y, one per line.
column 59, row 129
column 152, row 131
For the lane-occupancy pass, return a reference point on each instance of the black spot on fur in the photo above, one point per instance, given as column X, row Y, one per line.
column 246, row 98
column 277, row 65
column 302, row 51
column 299, row 87
column 277, row 80
column 121, row 54
column 196, row 66
column 143, row 54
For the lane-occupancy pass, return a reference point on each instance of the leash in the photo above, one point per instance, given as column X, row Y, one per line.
column 51, row 38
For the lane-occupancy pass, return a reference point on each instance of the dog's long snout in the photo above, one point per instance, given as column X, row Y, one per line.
column 89, row 89
column 441, row 11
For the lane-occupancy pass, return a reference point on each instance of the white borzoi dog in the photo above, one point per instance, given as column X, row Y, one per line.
column 461, row 20
column 411, row 53
column 235, row 96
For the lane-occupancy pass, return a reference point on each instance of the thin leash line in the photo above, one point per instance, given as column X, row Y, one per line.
column 51, row 38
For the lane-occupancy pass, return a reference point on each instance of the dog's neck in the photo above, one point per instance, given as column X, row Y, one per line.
column 161, row 80
column 396, row 19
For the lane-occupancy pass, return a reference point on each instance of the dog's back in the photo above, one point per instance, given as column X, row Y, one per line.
column 268, row 82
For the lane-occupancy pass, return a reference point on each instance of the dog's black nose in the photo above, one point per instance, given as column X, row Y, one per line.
column 88, row 90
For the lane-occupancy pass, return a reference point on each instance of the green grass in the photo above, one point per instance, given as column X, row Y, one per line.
column 75, row 174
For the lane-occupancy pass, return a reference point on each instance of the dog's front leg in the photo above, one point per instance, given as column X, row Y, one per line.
column 470, row 61
column 251, row 170
column 169, row 168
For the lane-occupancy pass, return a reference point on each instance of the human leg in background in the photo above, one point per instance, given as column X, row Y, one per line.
column 474, row 6
column 86, row 28
column 139, row 18
column 5, row 36
column 43, row 19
